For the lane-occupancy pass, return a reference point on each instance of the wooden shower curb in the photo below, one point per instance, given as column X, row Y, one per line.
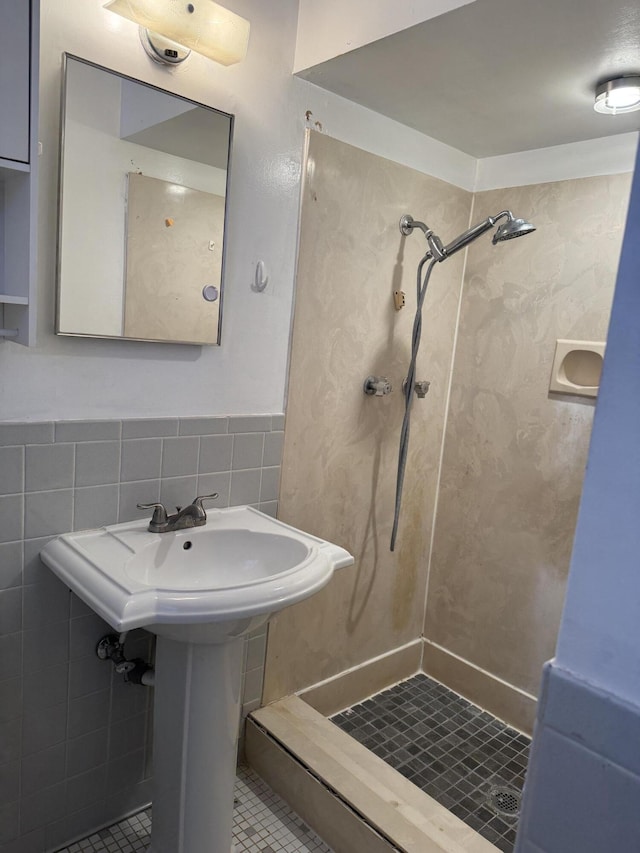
column 350, row 797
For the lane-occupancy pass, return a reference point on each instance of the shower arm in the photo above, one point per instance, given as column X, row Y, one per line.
column 436, row 248
column 471, row 233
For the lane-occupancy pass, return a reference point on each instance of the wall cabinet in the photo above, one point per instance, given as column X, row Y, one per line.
column 19, row 32
column 14, row 80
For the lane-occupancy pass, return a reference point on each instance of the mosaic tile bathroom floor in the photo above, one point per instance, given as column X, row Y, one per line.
column 262, row 823
column 460, row 755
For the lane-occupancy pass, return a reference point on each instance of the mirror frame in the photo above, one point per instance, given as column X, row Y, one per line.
column 63, row 113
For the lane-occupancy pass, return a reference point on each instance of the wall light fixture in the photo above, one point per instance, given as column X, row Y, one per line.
column 171, row 29
column 620, row 95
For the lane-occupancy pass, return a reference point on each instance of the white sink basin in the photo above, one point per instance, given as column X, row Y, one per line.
column 202, row 585
column 200, row 590
column 234, row 558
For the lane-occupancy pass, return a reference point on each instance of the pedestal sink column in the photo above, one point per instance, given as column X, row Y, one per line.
column 196, row 719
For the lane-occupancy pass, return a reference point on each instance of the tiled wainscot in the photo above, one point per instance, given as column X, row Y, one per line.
column 75, row 740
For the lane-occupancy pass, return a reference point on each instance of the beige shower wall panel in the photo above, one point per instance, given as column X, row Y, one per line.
column 341, row 447
column 514, row 456
column 174, row 250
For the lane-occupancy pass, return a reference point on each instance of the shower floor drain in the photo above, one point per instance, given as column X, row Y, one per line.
column 504, row 801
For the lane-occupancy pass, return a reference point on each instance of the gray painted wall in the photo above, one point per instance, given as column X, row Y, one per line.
column 583, row 786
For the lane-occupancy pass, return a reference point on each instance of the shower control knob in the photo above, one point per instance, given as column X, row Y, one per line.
column 421, row 388
column 377, row 385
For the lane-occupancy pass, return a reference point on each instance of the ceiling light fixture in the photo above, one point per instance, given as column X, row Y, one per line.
column 171, row 29
column 620, row 95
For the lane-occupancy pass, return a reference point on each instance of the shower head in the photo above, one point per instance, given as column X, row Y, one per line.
column 507, row 231
column 512, row 228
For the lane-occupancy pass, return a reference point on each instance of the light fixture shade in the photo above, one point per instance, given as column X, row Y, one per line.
column 620, row 95
column 201, row 25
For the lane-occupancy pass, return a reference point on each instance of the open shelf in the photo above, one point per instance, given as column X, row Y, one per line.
column 6, row 299
column 10, row 166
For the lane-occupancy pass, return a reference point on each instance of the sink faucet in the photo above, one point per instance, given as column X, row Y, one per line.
column 185, row 517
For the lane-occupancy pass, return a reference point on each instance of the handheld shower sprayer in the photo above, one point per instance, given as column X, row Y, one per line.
column 438, row 252
column 508, row 230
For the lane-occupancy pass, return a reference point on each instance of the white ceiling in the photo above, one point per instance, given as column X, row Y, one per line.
column 497, row 76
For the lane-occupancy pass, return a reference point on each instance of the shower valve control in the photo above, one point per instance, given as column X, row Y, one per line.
column 378, row 386
column 421, row 388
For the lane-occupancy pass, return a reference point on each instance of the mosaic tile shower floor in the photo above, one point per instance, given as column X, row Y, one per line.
column 454, row 751
column 262, row 823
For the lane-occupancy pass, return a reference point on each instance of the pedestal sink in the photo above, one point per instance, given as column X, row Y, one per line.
column 200, row 590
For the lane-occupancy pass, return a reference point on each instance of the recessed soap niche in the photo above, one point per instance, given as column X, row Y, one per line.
column 577, row 367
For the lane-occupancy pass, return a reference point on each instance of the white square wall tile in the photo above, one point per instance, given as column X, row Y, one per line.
column 270, row 487
column 132, row 494
column 180, row 456
column 95, row 506
column 247, row 450
column 11, row 518
column 220, row 484
column 253, row 681
column 178, row 492
column 49, row 466
column 12, row 468
column 273, row 446
column 97, row 463
column 215, row 453
column 245, row 487
column 256, row 650
column 141, row 459
column 48, row 513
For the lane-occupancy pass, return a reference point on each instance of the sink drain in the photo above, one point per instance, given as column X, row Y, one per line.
column 504, row 801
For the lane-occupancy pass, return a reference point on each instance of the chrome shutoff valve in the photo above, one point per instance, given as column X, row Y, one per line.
column 110, row 648
column 377, row 385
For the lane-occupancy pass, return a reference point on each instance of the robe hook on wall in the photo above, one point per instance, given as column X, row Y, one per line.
column 260, row 280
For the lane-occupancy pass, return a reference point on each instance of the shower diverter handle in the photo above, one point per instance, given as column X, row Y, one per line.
column 378, row 386
column 421, row 387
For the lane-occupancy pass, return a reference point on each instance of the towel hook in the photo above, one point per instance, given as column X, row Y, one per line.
column 261, row 280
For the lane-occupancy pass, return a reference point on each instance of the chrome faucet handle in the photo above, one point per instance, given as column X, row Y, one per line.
column 198, row 501
column 159, row 514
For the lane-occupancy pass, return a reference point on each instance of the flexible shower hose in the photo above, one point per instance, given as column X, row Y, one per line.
column 421, row 288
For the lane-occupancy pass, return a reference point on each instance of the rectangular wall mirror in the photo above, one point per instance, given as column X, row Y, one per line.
column 143, row 183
